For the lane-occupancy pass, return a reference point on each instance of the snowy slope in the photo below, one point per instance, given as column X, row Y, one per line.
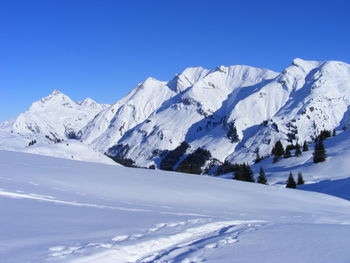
column 70, row 149
column 56, row 210
column 331, row 176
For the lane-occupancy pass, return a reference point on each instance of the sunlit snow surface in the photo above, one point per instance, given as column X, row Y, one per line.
column 57, row 210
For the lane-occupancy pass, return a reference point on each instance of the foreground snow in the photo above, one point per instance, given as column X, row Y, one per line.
column 57, row 210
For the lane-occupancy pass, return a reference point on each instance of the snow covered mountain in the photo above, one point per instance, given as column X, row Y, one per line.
column 111, row 124
column 56, row 116
column 44, row 126
column 229, row 111
column 233, row 111
column 318, row 99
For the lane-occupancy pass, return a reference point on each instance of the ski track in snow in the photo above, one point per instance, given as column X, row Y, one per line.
column 52, row 199
column 178, row 241
column 191, row 243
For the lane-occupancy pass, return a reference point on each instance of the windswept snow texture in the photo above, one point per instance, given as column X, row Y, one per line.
column 58, row 210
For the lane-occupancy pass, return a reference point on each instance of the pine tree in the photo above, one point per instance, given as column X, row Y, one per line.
column 324, row 135
column 287, row 153
column 277, row 151
column 232, row 133
column 300, row 179
column 258, row 157
column 305, row 147
column 248, row 173
column 297, row 150
column 243, row 172
column 319, row 152
column 261, row 178
column 291, row 182
column 238, row 174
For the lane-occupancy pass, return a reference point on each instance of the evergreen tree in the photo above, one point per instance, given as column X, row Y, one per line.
column 319, row 152
column 277, row 151
column 238, row 175
column 334, row 132
column 243, row 172
column 261, row 178
column 324, row 135
column 248, row 173
column 258, row 157
column 287, row 153
column 297, row 150
column 305, row 147
column 300, row 179
column 232, row 133
column 291, row 182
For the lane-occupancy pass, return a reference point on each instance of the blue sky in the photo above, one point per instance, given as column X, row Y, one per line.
column 103, row 48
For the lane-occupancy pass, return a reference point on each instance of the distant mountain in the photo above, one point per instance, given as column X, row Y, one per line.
column 231, row 112
column 56, row 116
column 46, row 127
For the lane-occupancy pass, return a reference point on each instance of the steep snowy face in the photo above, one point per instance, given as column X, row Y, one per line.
column 181, row 117
column 56, row 116
column 187, row 78
column 111, row 124
column 318, row 99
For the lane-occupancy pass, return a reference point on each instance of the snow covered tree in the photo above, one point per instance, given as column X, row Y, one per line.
column 305, row 147
column 297, row 150
column 319, row 152
column 300, row 180
column 291, row 182
column 261, row 178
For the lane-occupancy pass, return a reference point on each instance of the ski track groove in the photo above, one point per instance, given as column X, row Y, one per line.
column 52, row 199
column 193, row 243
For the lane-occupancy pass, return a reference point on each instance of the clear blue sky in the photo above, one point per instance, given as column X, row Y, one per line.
column 103, row 48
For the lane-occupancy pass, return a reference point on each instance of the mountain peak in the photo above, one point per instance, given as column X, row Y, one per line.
column 55, row 92
column 87, row 101
column 221, row 69
column 54, row 96
column 305, row 64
